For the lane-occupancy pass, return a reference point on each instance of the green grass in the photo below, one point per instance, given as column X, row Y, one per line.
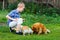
column 3, row 14
column 51, row 23
column 54, row 35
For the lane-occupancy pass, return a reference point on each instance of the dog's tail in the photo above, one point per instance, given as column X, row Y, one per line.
column 48, row 31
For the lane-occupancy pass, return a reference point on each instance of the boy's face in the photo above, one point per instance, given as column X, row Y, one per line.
column 21, row 8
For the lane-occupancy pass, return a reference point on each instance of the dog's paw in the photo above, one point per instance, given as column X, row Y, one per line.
column 23, row 34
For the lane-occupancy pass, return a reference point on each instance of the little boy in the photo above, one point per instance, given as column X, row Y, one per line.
column 14, row 16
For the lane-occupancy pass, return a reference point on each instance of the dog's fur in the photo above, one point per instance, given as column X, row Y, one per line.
column 40, row 28
column 25, row 30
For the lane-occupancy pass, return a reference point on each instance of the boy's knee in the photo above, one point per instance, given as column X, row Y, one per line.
column 12, row 24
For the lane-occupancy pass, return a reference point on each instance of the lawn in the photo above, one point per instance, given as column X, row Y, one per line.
column 54, row 26
column 54, row 35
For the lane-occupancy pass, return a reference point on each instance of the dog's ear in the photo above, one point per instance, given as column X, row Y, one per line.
column 33, row 27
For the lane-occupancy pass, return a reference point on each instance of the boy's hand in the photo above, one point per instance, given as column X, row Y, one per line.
column 15, row 19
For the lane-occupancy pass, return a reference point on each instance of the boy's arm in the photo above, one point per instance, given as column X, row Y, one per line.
column 8, row 17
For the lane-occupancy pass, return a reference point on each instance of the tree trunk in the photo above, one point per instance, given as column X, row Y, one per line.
column 3, row 5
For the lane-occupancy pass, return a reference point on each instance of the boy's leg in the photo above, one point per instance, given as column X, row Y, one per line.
column 11, row 30
column 11, row 25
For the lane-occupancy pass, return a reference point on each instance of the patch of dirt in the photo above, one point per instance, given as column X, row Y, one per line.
column 3, row 24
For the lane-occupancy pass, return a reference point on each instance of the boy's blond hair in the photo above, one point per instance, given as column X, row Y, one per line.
column 21, row 4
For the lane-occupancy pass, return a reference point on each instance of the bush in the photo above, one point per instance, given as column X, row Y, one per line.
column 0, row 5
column 12, row 6
column 33, row 18
column 37, row 9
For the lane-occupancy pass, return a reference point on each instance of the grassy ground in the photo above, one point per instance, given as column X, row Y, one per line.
column 54, row 35
column 5, row 34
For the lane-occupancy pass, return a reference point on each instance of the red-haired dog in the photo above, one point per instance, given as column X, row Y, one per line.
column 40, row 28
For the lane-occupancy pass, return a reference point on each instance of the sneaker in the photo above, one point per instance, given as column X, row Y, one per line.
column 11, row 30
column 20, row 33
